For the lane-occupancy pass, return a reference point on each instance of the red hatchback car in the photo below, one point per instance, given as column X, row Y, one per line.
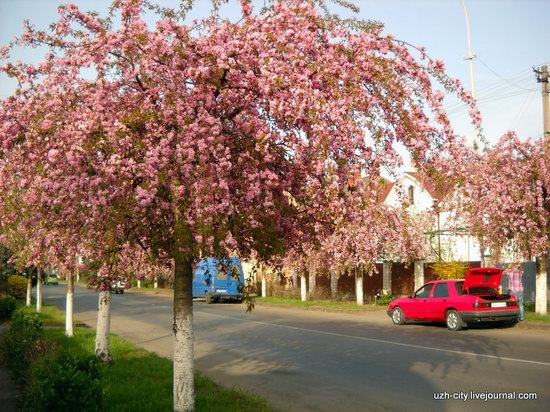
column 458, row 302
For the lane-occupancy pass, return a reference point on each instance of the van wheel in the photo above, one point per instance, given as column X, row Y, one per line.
column 208, row 298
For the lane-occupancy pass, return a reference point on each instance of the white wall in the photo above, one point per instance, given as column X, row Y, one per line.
column 454, row 247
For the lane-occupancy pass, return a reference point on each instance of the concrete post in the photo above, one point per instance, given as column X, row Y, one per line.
column 386, row 277
column 312, row 278
column 333, row 284
column 418, row 274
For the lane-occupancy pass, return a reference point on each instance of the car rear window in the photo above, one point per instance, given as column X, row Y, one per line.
column 483, row 290
column 441, row 290
column 458, row 287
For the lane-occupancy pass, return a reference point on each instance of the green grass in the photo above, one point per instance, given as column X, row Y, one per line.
column 318, row 304
column 50, row 316
column 530, row 314
column 138, row 380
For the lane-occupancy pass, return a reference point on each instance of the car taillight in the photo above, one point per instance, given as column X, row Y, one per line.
column 478, row 304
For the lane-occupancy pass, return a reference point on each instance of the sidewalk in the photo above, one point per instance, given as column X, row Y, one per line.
column 378, row 314
column 8, row 391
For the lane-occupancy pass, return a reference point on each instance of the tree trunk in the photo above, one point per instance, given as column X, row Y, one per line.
column 333, row 284
column 29, row 290
column 359, row 286
column 102, row 343
column 139, row 283
column 303, row 287
column 294, row 279
column 156, row 283
column 541, row 298
column 264, row 285
column 184, row 389
column 69, row 330
column 39, row 291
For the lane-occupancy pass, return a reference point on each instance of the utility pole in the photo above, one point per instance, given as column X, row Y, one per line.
column 542, row 78
column 541, row 286
column 470, row 57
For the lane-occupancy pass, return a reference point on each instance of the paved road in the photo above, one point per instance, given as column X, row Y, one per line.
column 314, row 361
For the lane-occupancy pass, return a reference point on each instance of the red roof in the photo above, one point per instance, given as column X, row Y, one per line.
column 436, row 189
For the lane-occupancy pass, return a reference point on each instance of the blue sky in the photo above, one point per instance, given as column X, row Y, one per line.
column 508, row 38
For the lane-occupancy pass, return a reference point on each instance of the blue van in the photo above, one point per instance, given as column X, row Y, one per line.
column 216, row 279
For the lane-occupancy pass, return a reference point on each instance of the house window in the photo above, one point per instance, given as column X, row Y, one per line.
column 411, row 195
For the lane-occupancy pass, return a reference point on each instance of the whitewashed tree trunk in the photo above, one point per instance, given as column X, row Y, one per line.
column 156, row 283
column 29, row 290
column 333, row 284
column 69, row 306
column 184, row 388
column 102, row 342
column 139, row 283
column 39, row 291
column 294, row 279
column 359, row 287
column 303, row 287
column 264, row 285
column 541, row 294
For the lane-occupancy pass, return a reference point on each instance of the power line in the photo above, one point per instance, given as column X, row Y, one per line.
column 502, row 78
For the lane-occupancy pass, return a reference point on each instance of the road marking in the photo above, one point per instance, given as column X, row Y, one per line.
column 389, row 342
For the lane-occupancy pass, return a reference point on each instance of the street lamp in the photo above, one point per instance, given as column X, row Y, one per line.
column 470, row 58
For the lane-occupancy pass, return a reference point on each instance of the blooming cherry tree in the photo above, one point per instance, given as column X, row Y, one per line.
column 504, row 198
column 213, row 138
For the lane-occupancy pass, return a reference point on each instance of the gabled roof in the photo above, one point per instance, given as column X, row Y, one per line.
column 437, row 190
column 384, row 188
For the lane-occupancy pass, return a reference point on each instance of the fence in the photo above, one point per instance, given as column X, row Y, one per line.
column 402, row 280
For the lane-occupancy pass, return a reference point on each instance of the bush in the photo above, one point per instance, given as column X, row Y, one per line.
column 450, row 270
column 381, row 299
column 21, row 343
column 65, row 383
column 7, row 307
column 17, row 286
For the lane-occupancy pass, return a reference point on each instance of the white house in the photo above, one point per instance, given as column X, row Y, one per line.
column 421, row 194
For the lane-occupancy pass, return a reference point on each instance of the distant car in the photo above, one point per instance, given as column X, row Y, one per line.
column 51, row 279
column 458, row 303
column 119, row 286
column 218, row 279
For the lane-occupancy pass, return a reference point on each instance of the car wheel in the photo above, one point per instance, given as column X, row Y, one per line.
column 453, row 320
column 122, row 291
column 397, row 316
column 208, row 298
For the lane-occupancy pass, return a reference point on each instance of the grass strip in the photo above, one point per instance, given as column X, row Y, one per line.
column 319, row 304
column 138, row 380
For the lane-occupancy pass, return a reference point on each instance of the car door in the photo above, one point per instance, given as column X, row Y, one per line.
column 437, row 303
column 417, row 304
